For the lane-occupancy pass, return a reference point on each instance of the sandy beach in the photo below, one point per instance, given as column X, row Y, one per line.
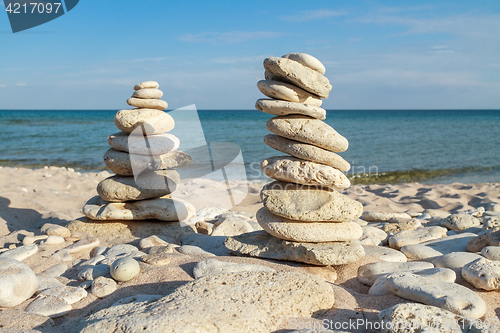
column 31, row 198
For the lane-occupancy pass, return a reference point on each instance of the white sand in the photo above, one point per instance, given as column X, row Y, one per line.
column 30, row 198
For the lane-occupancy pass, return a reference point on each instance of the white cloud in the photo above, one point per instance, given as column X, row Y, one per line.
column 3, row 86
column 20, row 84
column 230, row 37
column 312, row 15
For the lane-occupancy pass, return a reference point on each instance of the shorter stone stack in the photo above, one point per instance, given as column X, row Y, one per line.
column 303, row 204
column 144, row 157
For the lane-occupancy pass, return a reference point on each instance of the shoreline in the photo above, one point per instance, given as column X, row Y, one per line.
column 398, row 177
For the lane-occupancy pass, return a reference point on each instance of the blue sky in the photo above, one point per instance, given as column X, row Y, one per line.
column 377, row 54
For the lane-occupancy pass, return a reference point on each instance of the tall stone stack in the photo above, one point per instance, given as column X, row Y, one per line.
column 144, row 157
column 303, row 205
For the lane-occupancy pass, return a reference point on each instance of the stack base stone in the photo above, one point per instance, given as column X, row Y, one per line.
column 163, row 209
column 261, row 244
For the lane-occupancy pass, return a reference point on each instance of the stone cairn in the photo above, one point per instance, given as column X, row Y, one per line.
column 303, row 204
column 144, row 158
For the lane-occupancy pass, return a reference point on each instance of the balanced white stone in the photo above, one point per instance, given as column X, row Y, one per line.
column 153, row 121
column 214, row 266
column 147, row 85
column 147, row 103
column 306, row 152
column 307, row 60
column 307, row 232
column 121, row 163
column 163, row 208
column 309, row 204
column 293, row 72
column 157, row 144
column 283, row 108
column 287, row 92
column 295, row 170
column 308, row 130
column 151, row 185
column 263, row 245
column 148, row 93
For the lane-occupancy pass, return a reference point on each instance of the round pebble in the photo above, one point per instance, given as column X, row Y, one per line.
column 124, row 269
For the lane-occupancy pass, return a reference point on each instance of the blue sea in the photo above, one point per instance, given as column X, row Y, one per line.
column 396, row 146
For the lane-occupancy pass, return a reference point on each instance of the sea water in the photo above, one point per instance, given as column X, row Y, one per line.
column 384, row 145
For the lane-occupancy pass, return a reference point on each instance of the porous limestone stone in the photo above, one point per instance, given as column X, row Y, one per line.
column 154, row 241
column 294, row 170
column 384, row 253
column 156, row 104
column 375, row 216
column 287, row 70
column 309, row 203
column 232, row 226
column 69, row 294
column 124, row 269
column 103, row 286
column 252, row 302
column 148, row 93
column 491, row 222
column 91, row 273
column 393, row 228
column 306, row 60
column 306, row 151
column 455, row 260
column 56, row 270
column 288, row 92
column 55, row 230
column 121, row 163
column 308, row 130
column 417, row 236
column 373, row 232
column 53, row 240
column 147, row 85
column 153, row 121
column 20, row 253
column 416, row 318
column 449, row 296
column 438, row 247
column 283, row 108
column 49, row 306
column 163, row 209
column 460, row 222
column 490, row 238
column 84, row 244
column 261, row 244
column 192, row 250
column 152, row 185
column 308, row 232
column 369, row 273
column 17, row 282
column 443, row 274
column 212, row 244
column 483, row 273
column 124, row 231
column 157, row 144
column 214, row 266
column 491, row 252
